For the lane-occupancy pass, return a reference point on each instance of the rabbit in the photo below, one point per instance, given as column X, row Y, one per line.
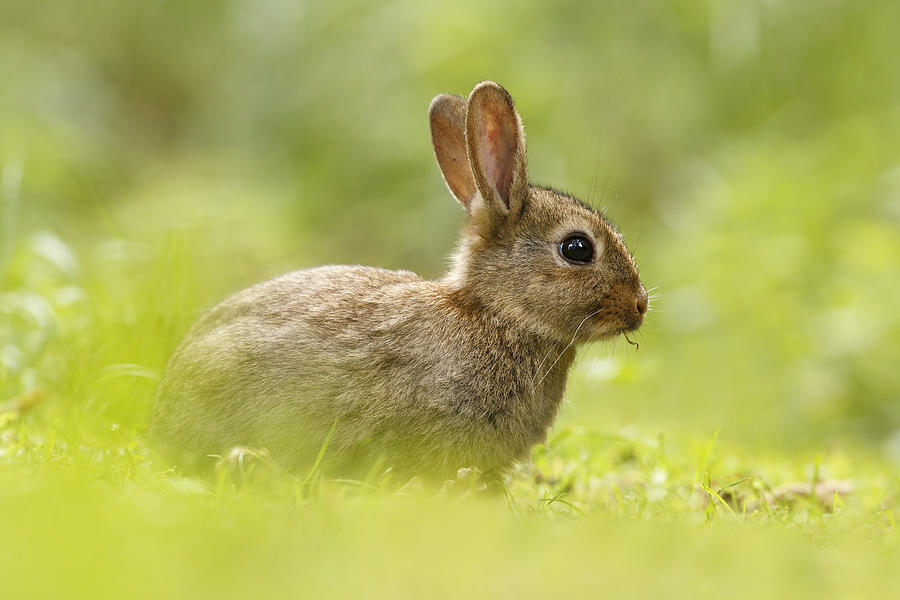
column 422, row 376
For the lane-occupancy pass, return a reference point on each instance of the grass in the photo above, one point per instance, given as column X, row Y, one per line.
column 593, row 512
column 86, row 510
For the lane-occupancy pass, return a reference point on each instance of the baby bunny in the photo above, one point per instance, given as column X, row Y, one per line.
column 425, row 376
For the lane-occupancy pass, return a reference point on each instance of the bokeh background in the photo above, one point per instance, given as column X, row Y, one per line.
column 157, row 156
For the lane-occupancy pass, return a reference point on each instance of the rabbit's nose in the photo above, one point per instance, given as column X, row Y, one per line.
column 642, row 301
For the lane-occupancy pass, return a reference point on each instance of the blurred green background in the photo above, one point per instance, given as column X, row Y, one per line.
column 157, row 156
column 164, row 154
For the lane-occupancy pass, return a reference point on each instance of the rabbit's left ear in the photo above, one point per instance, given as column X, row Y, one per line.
column 447, row 117
column 496, row 144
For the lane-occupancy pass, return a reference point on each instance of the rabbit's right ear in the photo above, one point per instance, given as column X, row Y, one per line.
column 496, row 143
column 447, row 115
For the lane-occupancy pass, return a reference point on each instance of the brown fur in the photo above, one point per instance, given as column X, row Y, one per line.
column 467, row 370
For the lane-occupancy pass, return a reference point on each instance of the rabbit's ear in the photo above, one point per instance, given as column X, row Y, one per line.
column 447, row 115
column 496, row 144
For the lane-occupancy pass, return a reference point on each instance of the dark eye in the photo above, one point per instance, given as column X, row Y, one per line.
column 577, row 248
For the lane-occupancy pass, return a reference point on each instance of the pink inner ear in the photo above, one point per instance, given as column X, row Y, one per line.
column 498, row 149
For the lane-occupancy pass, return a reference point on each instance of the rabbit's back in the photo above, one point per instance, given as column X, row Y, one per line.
column 402, row 369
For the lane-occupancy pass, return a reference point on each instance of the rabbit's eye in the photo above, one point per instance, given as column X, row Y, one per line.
column 577, row 248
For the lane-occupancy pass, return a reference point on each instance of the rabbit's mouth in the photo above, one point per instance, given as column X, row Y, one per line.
column 606, row 326
column 602, row 327
column 634, row 325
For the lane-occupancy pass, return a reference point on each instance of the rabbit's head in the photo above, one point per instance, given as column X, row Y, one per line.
column 533, row 254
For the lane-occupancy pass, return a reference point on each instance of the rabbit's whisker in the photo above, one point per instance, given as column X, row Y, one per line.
column 594, row 180
column 541, row 364
column 569, row 345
